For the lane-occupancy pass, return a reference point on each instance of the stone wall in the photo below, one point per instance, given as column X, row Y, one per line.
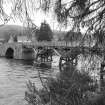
column 17, row 48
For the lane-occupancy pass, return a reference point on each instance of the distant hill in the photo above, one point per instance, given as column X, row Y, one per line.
column 7, row 30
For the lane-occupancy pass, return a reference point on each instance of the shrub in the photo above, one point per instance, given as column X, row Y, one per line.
column 69, row 88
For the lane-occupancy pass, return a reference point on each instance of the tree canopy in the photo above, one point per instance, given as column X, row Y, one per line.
column 44, row 33
column 72, row 36
column 78, row 13
column 83, row 13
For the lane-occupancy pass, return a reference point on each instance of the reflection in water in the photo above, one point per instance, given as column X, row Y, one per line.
column 14, row 74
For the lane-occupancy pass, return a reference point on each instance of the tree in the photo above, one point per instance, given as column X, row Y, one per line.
column 69, row 87
column 45, row 33
column 72, row 36
column 83, row 13
column 77, row 13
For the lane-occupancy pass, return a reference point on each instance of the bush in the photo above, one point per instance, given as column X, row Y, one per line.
column 69, row 88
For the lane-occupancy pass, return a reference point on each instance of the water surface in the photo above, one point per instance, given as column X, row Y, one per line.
column 14, row 74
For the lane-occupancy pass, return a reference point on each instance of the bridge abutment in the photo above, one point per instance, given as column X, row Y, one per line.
column 11, row 50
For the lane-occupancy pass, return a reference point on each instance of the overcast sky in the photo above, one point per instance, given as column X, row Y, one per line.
column 37, row 17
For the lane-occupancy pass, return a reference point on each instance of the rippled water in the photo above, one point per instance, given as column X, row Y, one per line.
column 14, row 74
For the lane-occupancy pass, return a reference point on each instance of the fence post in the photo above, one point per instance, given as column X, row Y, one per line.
column 101, row 75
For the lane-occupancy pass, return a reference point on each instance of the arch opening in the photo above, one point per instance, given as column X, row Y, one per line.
column 9, row 53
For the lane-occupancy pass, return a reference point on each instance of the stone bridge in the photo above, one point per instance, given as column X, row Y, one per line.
column 20, row 50
column 16, row 51
column 11, row 50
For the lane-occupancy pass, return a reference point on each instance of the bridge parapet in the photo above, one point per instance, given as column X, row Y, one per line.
column 52, row 44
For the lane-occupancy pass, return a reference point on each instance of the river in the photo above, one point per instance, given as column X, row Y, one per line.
column 14, row 74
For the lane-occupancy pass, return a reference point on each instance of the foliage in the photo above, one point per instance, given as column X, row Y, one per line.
column 68, row 88
column 99, row 35
column 82, row 12
column 72, row 36
column 32, row 96
column 44, row 33
column 75, row 13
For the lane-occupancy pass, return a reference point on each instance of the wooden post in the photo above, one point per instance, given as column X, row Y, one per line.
column 51, row 57
column 101, row 75
column 60, row 64
column 41, row 58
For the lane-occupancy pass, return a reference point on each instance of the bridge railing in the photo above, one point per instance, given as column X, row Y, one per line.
column 52, row 43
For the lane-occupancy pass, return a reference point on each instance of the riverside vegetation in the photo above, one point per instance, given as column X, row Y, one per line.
column 70, row 87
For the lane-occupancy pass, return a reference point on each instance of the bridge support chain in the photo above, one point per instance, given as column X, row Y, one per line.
column 66, row 63
column 68, row 59
column 44, row 55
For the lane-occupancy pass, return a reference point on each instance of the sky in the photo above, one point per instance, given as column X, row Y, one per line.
column 37, row 17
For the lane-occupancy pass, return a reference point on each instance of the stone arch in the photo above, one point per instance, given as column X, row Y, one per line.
column 9, row 53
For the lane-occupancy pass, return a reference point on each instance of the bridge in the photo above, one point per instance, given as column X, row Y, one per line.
column 16, row 49
column 31, row 51
column 27, row 51
column 20, row 50
column 52, row 44
column 12, row 50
